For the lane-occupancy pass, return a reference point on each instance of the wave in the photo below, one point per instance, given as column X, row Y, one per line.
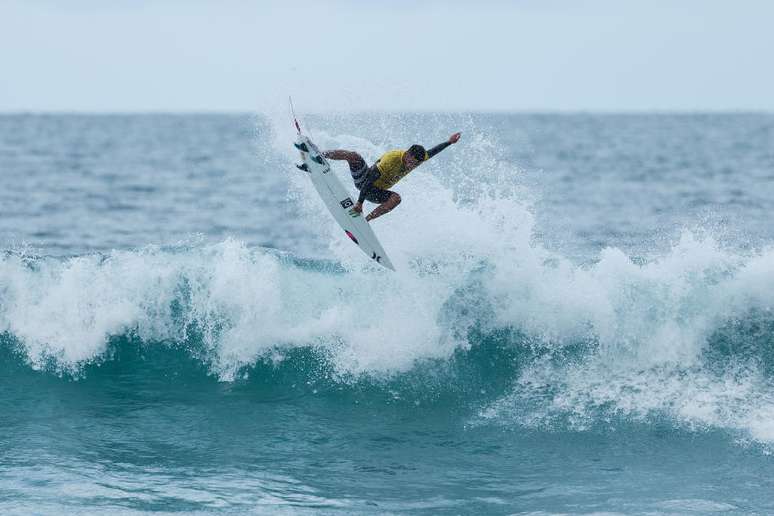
column 688, row 336
column 479, row 313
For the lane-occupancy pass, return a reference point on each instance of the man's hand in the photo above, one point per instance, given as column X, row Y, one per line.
column 358, row 207
column 454, row 138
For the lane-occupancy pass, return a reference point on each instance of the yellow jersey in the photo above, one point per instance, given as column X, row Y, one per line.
column 391, row 169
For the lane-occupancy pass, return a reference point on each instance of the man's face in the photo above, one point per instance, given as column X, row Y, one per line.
column 410, row 162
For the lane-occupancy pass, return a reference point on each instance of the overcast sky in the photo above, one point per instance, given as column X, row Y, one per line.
column 230, row 55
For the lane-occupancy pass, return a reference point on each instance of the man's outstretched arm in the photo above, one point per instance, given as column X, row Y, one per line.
column 441, row 146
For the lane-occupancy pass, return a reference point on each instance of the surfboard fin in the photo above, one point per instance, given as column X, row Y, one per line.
column 302, row 147
column 302, row 166
column 318, row 159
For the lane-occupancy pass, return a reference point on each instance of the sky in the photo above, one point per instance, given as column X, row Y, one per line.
column 401, row 55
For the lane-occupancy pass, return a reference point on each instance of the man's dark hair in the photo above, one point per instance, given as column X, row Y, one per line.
column 418, row 152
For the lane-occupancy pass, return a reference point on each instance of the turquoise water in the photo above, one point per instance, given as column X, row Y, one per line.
column 581, row 320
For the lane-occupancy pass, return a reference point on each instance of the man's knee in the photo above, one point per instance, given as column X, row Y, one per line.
column 395, row 199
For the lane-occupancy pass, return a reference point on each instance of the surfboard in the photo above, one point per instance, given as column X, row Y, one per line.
column 339, row 202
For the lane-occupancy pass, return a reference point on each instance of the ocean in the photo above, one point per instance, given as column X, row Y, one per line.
column 580, row 321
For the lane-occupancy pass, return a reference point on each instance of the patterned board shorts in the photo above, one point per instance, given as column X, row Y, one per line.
column 360, row 170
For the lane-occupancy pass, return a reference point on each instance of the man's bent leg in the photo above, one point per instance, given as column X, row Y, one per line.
column 386, row 207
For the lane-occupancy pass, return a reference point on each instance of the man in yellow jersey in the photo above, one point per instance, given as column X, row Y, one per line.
column 374, row 181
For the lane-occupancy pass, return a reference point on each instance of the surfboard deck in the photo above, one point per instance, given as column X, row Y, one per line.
column 339, row 201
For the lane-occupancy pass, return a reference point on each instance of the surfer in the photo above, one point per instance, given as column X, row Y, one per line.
column 374, row 181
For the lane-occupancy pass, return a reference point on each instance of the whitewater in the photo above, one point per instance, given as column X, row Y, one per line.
column 580, row 321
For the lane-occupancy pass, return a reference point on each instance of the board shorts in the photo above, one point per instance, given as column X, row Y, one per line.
column 360, row 171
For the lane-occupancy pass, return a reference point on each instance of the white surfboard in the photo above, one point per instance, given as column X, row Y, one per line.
column 339, row 202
